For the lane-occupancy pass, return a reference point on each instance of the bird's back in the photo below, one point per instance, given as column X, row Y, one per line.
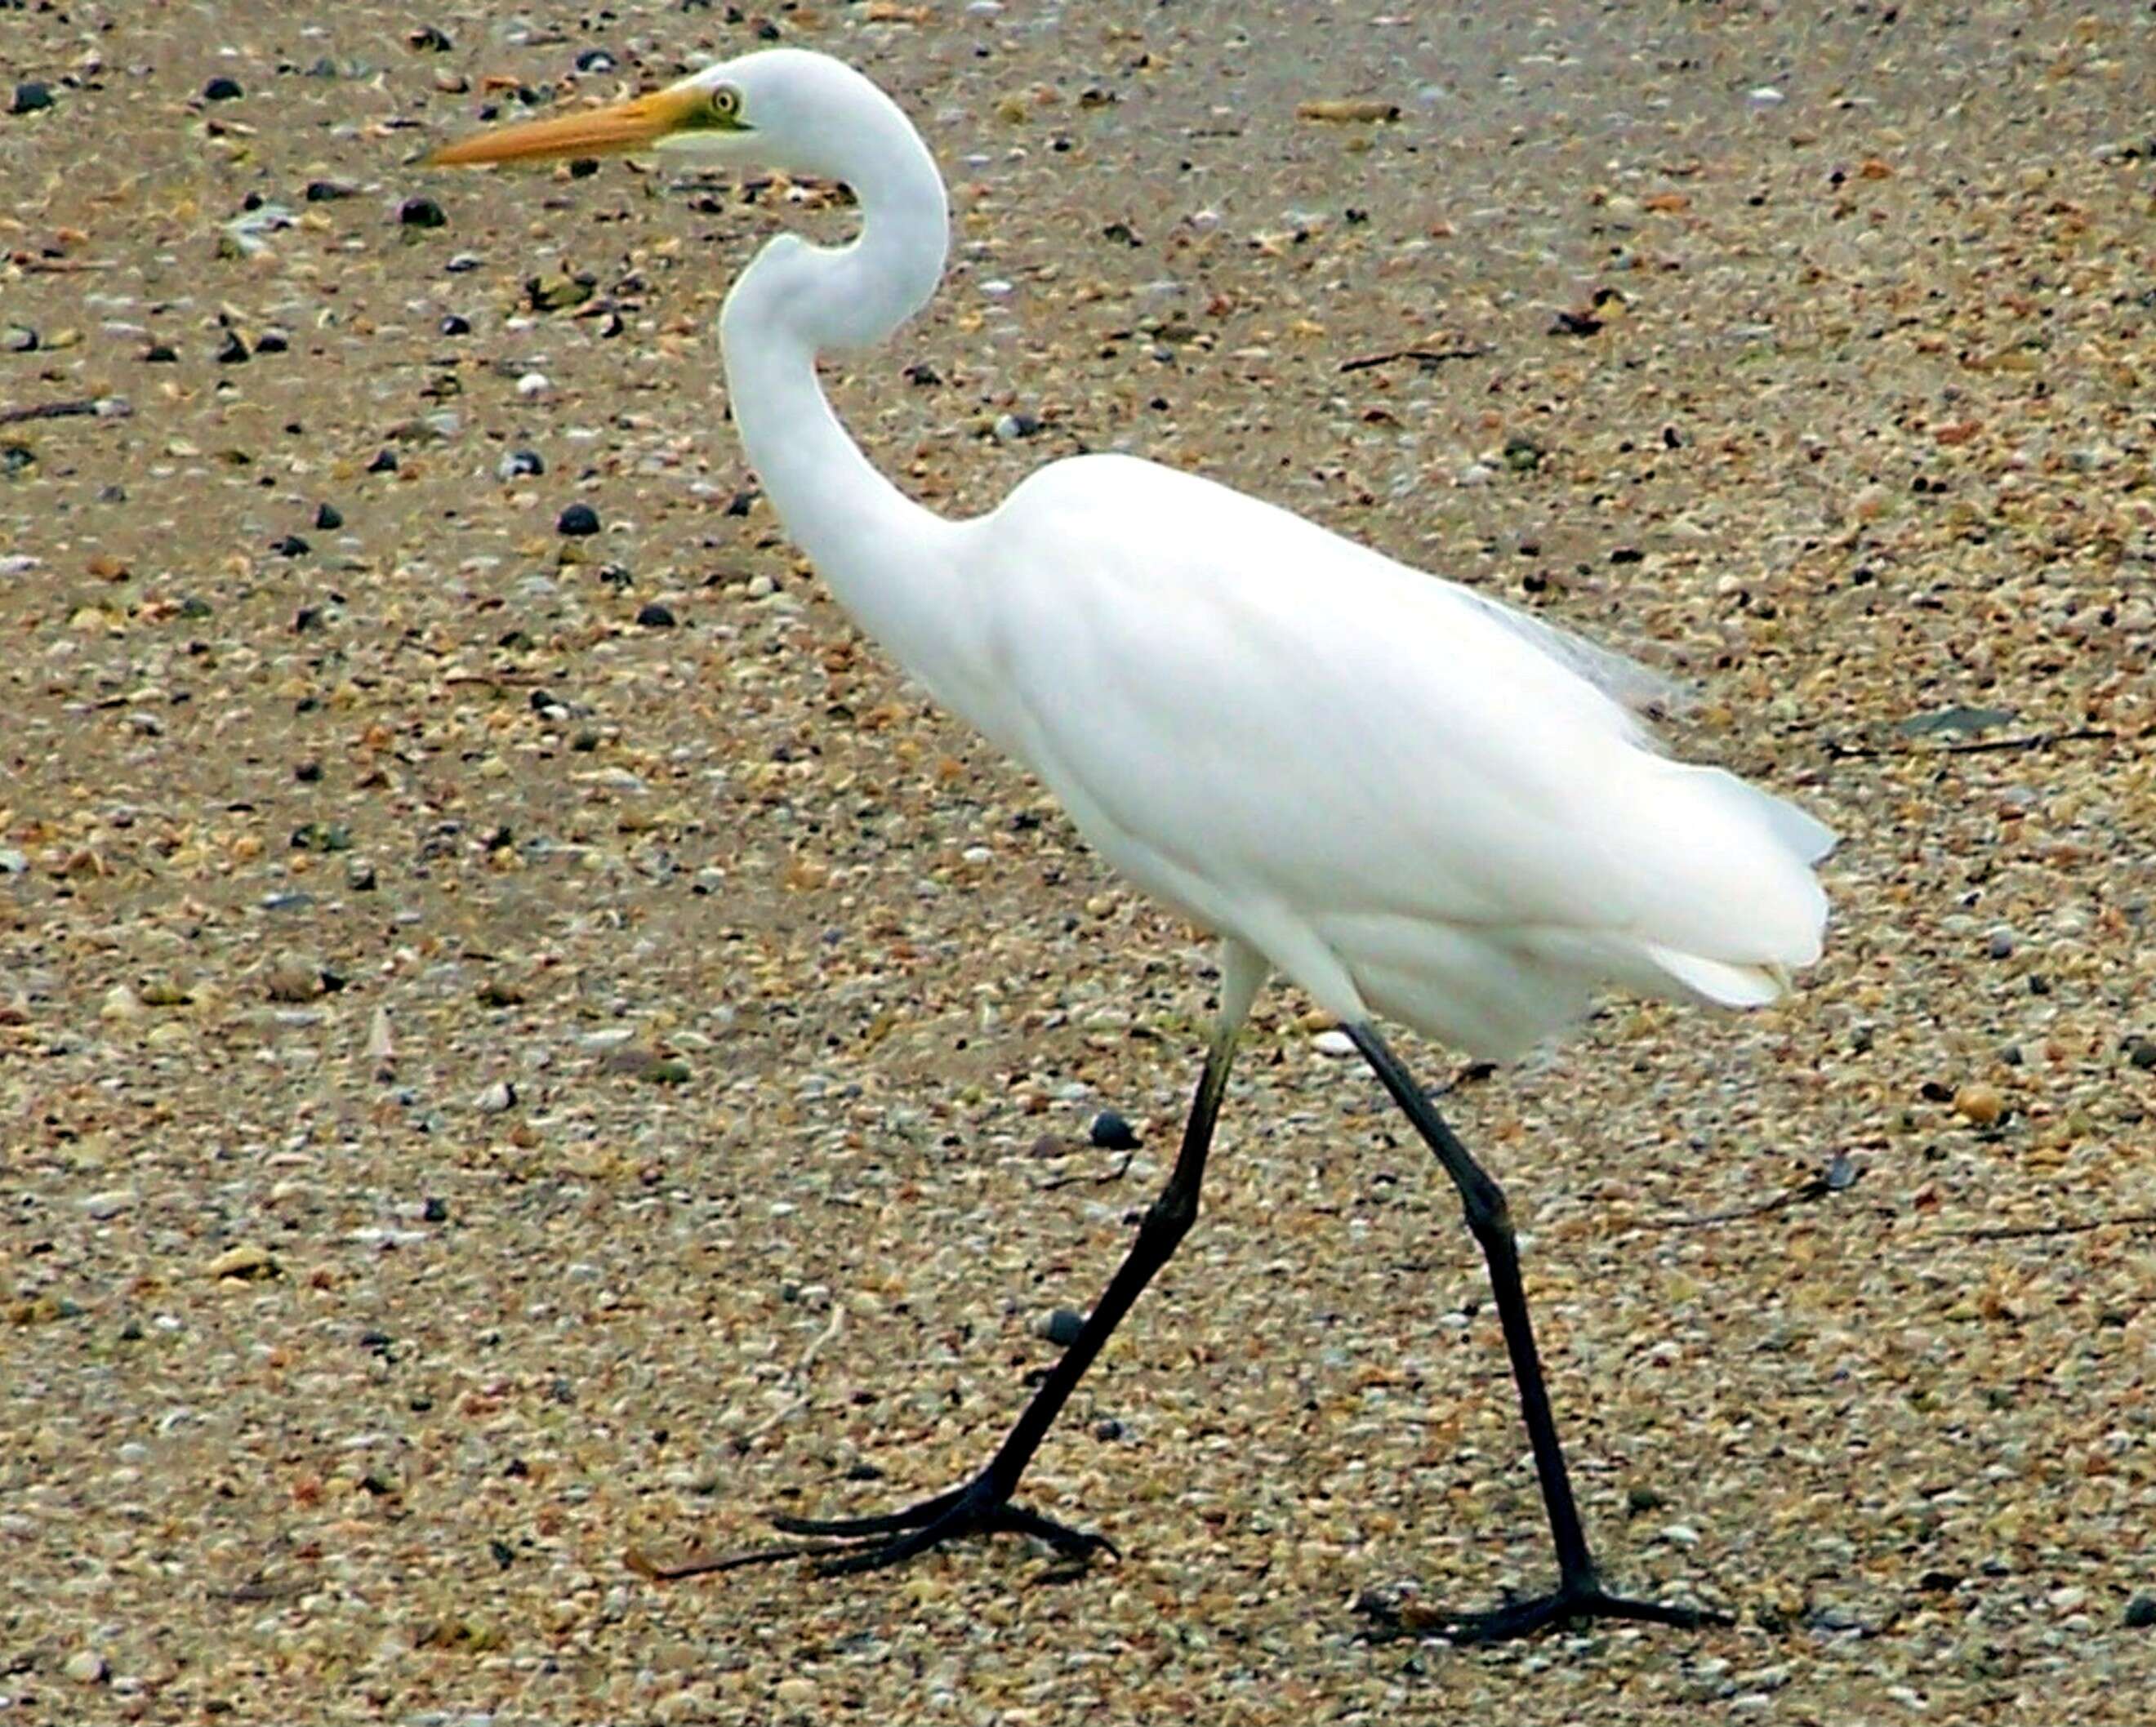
column 1411, row 799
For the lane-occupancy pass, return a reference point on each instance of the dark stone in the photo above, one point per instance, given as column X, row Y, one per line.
column 1111, row 1132
column 291, row 546
column 1063, row 1326
column 452, row 324
column 223, row 89
column 577, row 521
column 384, row 462
column 654, row 616
column 421, row 212
column 30, row 97
column 328, row 518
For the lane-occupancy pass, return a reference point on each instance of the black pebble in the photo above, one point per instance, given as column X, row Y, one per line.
column 291, row 546
column 452, row 324
column 307, row 773
column 582, row 167
column 1628, row 555
column 325, row 192
column 272, row 341
column 1112, row 1133
column 740, row 503
column 654, row 616
column 233, row 352
column 577, row 521
column 523, row 462
column 1063, row 1326
column 595, row 60
column 223, row 89
column 161, row 354
column 328, row 518
column 435, row 1210
column 2141, row 1611
column 384, row 462
column 30, row 96
column 2142, row 1053
column 428, row 39
column 421, row 212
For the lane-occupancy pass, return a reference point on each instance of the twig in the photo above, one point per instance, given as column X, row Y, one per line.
column 2023, row 1232
column 795, row 1375
column 49, row 410
column 1839, row 1176
column 1421, row 357
column 1980, row 746
column 1117, row 1174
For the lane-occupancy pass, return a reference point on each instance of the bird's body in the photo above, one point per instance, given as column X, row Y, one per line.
column 1413, row 800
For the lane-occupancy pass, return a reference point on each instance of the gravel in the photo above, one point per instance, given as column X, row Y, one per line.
column 794, row 976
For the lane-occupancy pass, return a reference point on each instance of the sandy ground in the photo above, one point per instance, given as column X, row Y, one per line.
column 489, row 1081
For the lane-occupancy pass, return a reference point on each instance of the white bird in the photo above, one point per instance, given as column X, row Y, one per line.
column 1412, row 801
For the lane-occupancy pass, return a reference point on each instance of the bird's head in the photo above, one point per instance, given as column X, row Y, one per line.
column 784, row 109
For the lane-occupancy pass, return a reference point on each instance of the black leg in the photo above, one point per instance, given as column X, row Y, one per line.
column 1580, row 1594
column 983, row 1504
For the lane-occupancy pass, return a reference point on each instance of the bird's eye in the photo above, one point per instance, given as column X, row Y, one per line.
column 726, row 102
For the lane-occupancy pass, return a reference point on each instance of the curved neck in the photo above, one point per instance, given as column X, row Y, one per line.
column 881, row 553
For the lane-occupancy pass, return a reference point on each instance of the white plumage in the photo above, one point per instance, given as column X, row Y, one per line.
column 1409, row 799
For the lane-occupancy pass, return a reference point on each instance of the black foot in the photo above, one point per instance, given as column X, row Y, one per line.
column 860, row 1543
column 1568, row 1604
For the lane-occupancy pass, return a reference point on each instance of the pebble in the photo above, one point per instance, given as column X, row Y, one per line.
column 2141, row 1612
column 1010, row 427
column 249, row 1261
column 233, row 350
column 577, row 521
column 1999, row 943
column 1981, row 1106
column 521, row 464
column 31, row 97
column 14, row 862
column 1335, row 1043
column 421, row 212
column 654, row 616
column 86, row 1667
column 534, row 383
column 1060, row 1326
column 496, row 1098
column 1111, row 1132
column 223, row 89
column 454, row 324
column 328, row 518
column 108, row 1203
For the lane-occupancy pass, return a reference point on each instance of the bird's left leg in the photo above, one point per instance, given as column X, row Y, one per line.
column 983, row 1505
column 1580, row 1594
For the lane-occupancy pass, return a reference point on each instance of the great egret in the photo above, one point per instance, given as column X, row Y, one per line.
column 1411, row 800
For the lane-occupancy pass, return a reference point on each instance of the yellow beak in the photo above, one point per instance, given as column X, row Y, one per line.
column 620, row 126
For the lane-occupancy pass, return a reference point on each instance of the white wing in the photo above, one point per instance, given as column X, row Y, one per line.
column 1408, row 797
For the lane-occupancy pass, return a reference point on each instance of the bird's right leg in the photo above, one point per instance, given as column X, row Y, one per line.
column 983, row 1505
column 1580, row 1594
